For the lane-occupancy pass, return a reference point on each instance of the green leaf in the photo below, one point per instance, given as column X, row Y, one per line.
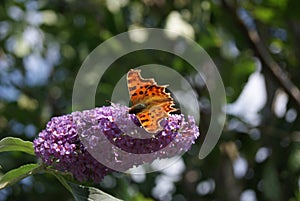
column 293, row 9
column 16, row 144
column 278, row 3
column 63, row 181
column 140, row 197
column 271, row 184
column 294, row 159
column 17, row 174
column 264, row 14
column 84, row 193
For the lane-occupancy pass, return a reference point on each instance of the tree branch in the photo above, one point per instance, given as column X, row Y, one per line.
column 262, row 53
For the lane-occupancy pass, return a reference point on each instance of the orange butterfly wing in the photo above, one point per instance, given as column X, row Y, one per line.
column 137, row 85
column 150, row 102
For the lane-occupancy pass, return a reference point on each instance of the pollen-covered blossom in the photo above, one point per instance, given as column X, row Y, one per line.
column 92, row 143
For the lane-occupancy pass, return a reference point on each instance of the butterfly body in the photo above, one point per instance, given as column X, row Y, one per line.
column 137, row 108
column 149, row 101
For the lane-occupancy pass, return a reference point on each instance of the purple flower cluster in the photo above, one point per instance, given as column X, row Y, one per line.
column 59, row 146
column 92, row 143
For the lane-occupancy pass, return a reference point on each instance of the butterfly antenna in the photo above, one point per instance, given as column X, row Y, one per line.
column 109, row 101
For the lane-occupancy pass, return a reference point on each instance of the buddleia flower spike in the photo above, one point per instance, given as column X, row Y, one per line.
column 67, row 141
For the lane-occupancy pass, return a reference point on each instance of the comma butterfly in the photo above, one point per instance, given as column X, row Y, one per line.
column 149, row 101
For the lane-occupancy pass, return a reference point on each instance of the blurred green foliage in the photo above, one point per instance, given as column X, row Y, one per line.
column 43, row 44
